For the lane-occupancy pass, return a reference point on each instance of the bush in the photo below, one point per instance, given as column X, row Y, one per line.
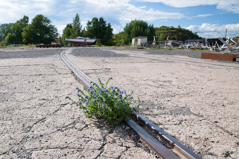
column 98, row 42
column 3, row 43
column 110, row 104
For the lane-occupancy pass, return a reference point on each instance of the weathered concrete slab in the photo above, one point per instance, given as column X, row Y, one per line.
column 192, row 99
column 36, row 121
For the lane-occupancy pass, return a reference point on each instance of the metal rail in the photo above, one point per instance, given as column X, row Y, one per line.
column 176, row 147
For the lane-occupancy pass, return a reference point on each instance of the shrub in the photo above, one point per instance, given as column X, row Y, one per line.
column 98, row 42
column 110, row 104
column 3, row 44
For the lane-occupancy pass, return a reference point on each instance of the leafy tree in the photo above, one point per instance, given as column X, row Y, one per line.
column 17, row 29
column 67, row 33
column 72, row 30
column 118, row 39
column 39, row 31
column 102, row 31
column 98, row 42
column 97, row 28
column 162, row 37
column 76, row 27
column 2, row 43
column 83, row 32
column 12, row 32
column 138, row 28
column 92, row 28
column 108, row 38
column 4, row 30
column 150, row 32
column 10, row 38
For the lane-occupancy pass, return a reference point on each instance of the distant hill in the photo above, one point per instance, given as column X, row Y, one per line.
column 174, row 33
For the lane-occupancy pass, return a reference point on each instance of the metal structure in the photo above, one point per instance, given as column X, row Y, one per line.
column 173, row 149
column 230, row 45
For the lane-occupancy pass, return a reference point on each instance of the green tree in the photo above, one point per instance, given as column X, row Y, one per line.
column 39, row 31
column 138, row 28
column 76, row 27
column 118, row 39
column 12, row 32
column 162, row 37
column 92, row 28
column 99, row 29
column 67, row 33
column 10, row 38
column 150, row 32
column 72, row 30
column 2, row 43
column 83, row 33
column 17, row 29
column 108, row 38
column 4, row 30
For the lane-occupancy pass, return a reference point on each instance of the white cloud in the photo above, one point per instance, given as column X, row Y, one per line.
column 207, row 30
column 203, row 15
column 228, row 5
column 120, row 12
column 142, row 7
column 231, row 6
column 62, row 12
column 13, row 10
column 114, row 11
column 184, row 3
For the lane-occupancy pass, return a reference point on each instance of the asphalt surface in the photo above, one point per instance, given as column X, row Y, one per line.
column 88, row 52
column 28, row 53
column 181, row 53
column 95, row 52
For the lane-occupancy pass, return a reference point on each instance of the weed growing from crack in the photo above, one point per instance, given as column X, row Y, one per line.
column 108, row 103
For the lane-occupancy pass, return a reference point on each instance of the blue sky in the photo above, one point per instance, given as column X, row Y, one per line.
column 209, row 18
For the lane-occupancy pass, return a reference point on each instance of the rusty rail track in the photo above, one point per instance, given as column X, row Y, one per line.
column 170, row 148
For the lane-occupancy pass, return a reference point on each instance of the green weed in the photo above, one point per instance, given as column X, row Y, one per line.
column 108, row 103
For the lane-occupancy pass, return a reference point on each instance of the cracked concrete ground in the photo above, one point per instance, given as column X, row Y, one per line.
column 192, row 99
column 36, row 121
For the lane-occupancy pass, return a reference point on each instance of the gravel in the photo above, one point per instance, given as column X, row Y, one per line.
column 86, row 52
column 95, row 52
column 181, row 53
column 23, row 53
column 192, row 54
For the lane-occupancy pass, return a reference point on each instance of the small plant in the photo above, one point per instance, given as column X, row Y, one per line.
column 108, row 103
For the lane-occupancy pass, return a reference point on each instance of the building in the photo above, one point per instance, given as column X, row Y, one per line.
column 139, row 41
column 192, row 41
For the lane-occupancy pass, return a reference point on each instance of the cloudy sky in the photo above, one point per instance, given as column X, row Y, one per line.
column 209, row 18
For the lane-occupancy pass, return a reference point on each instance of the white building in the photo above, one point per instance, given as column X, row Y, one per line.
column 140, row 40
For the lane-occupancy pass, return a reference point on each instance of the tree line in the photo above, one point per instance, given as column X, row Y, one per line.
column 41, row 30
